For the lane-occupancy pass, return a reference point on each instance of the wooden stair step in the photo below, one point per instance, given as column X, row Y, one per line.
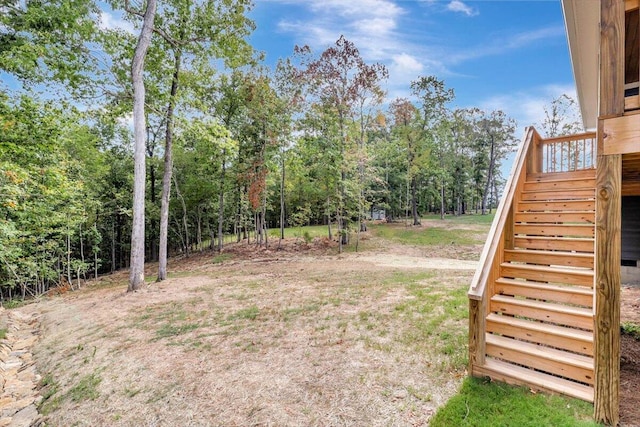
column 554, row 176
column 575, row 340
column 551, row 217
column 561, row 294
column 567, row 230
column 577, row 367
column 558, row 205
column 581, row 194
column 567, row 259
column 543, row 273
column 577, row 317
column 555, row 243
column 517, row 375
column 561, row 184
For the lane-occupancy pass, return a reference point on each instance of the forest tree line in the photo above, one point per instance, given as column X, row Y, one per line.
column 233, row 147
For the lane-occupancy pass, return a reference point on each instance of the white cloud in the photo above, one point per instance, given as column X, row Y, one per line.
column 109, row 21
column 527, row 107
column 376, row 28
column 504, row 43
column 407, row 62
column 459, row 6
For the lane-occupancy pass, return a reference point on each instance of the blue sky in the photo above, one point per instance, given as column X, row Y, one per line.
column 510, row 55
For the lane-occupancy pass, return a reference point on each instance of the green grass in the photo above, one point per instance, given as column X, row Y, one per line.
column 221, row 258
column 464, row 219
column 48, row 389
column 482, row 403
column 437, row 319
column 249, row 313
column 427, row 236
column 86, row 389
column 631, row 329
column 3, row 333
column 311, row 231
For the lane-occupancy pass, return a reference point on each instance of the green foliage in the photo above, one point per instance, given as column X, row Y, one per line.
column 482, row 403
column 427, row 236
column 631, row 329
column 43, row 41
column 45, row 197
column 249, row 313
column 49, row 387
column 86, row 389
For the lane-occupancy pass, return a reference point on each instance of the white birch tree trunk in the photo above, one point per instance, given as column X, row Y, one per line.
column 136, row 272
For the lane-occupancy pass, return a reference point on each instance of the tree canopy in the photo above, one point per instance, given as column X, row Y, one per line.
column 246, row 147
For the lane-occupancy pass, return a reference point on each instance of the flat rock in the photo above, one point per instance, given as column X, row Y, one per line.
column 25, row 417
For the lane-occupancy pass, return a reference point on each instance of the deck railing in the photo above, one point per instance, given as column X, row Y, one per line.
column 568, row 153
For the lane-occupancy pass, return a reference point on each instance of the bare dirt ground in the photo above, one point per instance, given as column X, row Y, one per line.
column 300, row 336
column 630, row 359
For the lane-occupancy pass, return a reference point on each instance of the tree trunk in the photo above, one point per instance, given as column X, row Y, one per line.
column 414, row 201
column 221, row 202
column 442, row 196
column 68, row 254
column 199, row 230
column 168, row 170
column 487, row 186
column 185, row 222
column 136, row 273
column 282, row 212
column 82, row 250
column 154, row 222
column 113, row 246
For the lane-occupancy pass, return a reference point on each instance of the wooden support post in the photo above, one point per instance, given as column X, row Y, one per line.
column 607, row 290
column 611, row 59
column 477, row 314
column 608, row 218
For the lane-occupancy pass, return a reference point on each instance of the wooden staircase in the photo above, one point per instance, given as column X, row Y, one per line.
column 534, row 324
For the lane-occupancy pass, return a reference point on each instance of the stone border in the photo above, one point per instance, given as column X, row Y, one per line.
column 18, row 377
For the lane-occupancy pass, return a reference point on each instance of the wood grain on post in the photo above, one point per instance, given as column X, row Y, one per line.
column 607, row 290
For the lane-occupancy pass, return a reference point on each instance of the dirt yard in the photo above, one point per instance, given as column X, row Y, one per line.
column 299, row 336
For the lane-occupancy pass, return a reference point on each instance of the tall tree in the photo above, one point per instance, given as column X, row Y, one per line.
column 136, row 272
column 196, row 33
column 433, row 96
column 342, row 82
column 496, row 137
column 561, row 117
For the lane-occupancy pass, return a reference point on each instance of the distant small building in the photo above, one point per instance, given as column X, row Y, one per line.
column 377, row 214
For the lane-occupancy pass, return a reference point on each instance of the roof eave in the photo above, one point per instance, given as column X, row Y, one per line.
column 582, row 23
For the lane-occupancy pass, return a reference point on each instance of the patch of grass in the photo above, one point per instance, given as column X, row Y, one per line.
column 131, row 392
column 425, row 236
column 249, row 313
column 86, row 389
column 436, row 322
column 470, row 218
column 48, row 389
column 291, row 312
column 482, row 403
column 169, row 330
column 631, row 329
column 14, row 303
column 311, row 231
column 220, row 258
column 3, row 333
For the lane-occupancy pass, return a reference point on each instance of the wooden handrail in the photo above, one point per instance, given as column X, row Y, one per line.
column 567, row 138
column 479, row 282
